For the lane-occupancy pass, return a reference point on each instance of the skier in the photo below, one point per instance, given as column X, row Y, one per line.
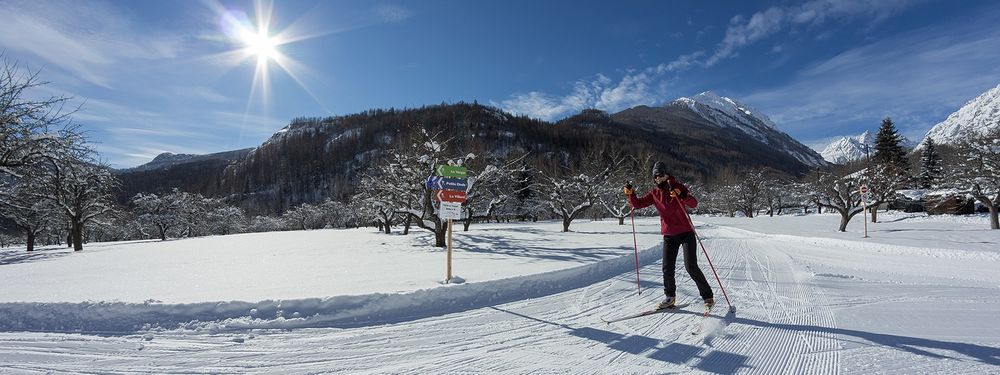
column 676, row 230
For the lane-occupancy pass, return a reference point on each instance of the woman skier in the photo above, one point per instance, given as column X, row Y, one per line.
column 676, row 230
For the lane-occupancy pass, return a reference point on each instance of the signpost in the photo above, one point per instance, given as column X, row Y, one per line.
column 445, row 183
column 449, row 186
column 864, row 205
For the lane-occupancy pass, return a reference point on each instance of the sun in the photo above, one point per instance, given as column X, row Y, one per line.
column 260, row 44
column 255, row 38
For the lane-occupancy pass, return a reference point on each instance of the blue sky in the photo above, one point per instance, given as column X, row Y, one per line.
column 160, row 76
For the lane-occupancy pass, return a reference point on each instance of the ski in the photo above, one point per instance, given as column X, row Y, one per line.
column 644, row 313
column 701, row 322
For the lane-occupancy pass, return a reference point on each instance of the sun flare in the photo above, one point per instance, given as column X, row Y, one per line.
column 261, row 45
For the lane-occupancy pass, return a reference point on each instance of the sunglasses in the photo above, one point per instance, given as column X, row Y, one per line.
column 659, row 175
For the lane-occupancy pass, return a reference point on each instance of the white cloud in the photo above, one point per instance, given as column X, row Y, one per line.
column 600, row 91
column 86, row 39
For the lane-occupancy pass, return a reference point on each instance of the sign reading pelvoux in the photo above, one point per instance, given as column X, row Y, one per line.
column 448, row 187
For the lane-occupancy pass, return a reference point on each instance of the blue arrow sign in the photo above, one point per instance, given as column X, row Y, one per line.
column 444, row 183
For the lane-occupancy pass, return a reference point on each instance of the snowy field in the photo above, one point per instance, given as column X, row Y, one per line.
column 922, row 295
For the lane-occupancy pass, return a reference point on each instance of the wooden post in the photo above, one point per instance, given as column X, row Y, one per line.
column 865, row 209
column 448, row 280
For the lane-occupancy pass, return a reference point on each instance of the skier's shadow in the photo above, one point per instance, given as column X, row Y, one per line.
column 711, row 360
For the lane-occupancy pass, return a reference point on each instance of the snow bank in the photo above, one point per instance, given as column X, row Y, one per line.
column 339, row 311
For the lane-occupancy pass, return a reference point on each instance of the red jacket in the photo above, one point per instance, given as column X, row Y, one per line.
column 673, row 220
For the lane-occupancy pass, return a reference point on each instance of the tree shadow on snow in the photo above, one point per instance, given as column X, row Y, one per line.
column 24, row 256
column 709, row 359
column 531, row 249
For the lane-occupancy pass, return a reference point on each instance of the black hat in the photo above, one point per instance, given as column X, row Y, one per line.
column 659, row 168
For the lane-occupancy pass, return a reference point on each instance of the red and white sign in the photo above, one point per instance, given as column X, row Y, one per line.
column 450, row 196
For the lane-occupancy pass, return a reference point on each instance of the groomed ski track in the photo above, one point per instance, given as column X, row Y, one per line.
column 784, row 323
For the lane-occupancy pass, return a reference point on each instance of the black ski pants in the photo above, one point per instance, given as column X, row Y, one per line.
column 671, row 244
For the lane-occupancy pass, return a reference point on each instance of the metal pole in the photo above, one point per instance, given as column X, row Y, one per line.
column 635, row 243
column 731, row 308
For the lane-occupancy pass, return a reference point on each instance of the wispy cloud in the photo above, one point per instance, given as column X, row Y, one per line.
column 391, row 13
column 85, row 39
column 917, row 79
column 200, row 93
column 648, row 86
column 743, row 31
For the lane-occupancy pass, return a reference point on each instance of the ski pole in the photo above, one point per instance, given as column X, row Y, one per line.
column 636, row 248
column 731, row 308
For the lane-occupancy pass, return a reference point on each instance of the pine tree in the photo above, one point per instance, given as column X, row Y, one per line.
column 930, row 165
column 888, row 148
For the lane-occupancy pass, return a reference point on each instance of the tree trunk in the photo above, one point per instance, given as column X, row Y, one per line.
column 566, row 222
column 874, row 214
column 163, row 233
column 994, row 218
column 621, row 220
column 406, row 227
column 466, row 224
column 77, row 236
column 441, row 235
column 69, row 238
column 844, row 218
column 31, row 241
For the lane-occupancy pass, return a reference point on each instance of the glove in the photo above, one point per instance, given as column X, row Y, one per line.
column 628, row 189
column 678, row 193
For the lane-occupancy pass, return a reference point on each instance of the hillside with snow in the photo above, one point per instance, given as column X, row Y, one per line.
column 919, row 296
column 849, row 149
column 728, row 113
column 976, row 117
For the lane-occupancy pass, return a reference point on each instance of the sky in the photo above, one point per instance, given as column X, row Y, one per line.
column 190, row 76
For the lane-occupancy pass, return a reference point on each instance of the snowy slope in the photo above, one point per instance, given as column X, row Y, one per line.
column 728, row 113
column 809, row 300
column 849, row 148
column 978, row 116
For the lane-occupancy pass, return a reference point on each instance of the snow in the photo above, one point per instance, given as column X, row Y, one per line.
column 849, row 149
column 726, row 112
column 978, row 116
column 919, row 296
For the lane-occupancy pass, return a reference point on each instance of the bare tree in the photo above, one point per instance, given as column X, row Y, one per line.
column 489, row 187
column 574, row 190
column 159, row 211
column 27, row 127
column 30, row 215
column 839, row 193
column 80, row 189
column 978, row 171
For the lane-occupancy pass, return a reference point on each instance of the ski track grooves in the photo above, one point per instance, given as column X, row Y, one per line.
column 557, row 332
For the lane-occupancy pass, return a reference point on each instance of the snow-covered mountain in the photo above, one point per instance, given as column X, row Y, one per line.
column 849, row 149
column 978, row 116
column 729, row 113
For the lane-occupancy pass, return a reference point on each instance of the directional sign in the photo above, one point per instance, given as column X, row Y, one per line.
column 444, row 183
column 450, row 210
column 450, row 196
column 451, row 171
